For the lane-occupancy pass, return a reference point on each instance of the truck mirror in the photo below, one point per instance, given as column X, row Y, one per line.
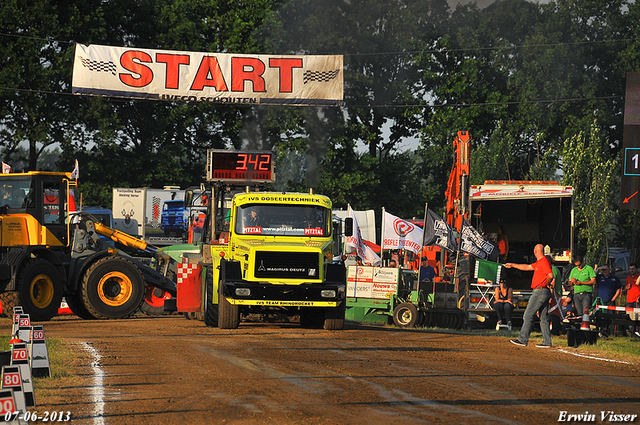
column 188, row 198
column 348, row 226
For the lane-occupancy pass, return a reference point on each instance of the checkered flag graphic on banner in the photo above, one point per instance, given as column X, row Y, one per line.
column 99, row 66
column 155, row 213
column 319, row 76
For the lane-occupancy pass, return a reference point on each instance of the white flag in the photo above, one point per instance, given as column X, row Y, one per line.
column 400, row 234
column 6, row 168
column 355, row 241
column 75, row 174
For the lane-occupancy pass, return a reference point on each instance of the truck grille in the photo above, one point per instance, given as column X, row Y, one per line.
column 287, row 265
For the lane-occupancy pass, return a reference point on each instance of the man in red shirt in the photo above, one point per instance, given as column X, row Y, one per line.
column 632, row 286
column 539, row 301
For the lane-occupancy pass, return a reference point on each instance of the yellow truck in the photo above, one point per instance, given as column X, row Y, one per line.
column 278, row 259
column 268, row 255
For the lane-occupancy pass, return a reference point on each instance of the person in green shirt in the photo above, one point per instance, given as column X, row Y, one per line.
column 582, row 277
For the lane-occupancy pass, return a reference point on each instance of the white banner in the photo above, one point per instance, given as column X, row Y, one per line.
column 400, row 234
column 355, row 241
column 208, row 77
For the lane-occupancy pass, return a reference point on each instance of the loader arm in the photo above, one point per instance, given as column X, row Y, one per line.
column 133, row 242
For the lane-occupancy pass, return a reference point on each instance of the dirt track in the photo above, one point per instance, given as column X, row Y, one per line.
column 171, row 370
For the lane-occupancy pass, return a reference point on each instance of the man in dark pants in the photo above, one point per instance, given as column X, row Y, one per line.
column 539, row 301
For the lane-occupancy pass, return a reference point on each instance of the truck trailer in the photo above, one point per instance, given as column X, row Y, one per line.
column 530, row 212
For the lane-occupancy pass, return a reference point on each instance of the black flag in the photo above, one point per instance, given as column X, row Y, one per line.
column 438, row 232
column 472, row 242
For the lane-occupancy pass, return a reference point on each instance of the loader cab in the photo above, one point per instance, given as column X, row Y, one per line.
column 42, row 196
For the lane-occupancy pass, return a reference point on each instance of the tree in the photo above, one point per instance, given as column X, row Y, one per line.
column 594, row 173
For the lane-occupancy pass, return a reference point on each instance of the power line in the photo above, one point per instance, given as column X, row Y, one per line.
column 406, row 105
column 408, row 52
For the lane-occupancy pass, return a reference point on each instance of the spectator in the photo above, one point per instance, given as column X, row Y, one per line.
column 567, row 306
column 426, row 272
column 503, row 245
column 393, row 263
column 632, row 287
column 555, row 310
column 359, row 261
column 582, row 278
column 503, row 304
column 609, row 286
column 539, row 301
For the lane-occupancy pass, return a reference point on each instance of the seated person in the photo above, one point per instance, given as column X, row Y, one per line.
column 503, row 303
column 567, row 306
column 312, row 219
column 253, row 218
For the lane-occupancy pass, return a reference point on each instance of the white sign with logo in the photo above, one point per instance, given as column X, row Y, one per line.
column 372, row 282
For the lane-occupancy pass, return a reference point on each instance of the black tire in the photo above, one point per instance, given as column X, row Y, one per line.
column 210, row 309
column 405, row 315
column 113, row 288
column 228, row 314
column 312, row 318
column 334, row 317
column 74, row 301
column 39, row 289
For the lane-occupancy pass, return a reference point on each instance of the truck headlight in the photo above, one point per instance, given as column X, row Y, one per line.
column 243, row 292
column 328, row 293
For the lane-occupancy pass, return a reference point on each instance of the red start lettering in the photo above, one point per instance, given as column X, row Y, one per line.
column 209, row 74
column 173, row 67
column 145, row 74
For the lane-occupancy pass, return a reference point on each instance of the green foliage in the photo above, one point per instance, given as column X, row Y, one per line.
column 593, row 172
column 526, row 79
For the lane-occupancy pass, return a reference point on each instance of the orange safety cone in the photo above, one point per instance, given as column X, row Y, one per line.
column 586, row 325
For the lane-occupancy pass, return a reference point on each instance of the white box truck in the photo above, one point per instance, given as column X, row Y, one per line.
column 138, row 212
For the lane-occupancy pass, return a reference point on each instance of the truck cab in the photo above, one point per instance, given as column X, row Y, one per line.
column 174, row 217
column 279, row 259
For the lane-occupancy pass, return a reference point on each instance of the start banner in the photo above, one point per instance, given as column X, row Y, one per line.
column 208, row 77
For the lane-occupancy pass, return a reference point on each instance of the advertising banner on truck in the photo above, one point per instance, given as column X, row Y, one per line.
column 208, row 77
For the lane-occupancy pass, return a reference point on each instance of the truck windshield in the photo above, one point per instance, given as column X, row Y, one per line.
column 173, row 205
column 282, row 220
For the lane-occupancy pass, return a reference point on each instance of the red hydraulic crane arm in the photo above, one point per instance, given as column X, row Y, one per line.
column 457, row 194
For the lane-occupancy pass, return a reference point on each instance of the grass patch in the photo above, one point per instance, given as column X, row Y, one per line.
column 63, row 362
column 616, row 348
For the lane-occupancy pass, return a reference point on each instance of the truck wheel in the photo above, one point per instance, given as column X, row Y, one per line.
column 74, row 301
column 210, row 309
column 40, row 289
column 334, row 317
column 153, row 304
column 312, row 318
column 405, row 315
column 113, row 288
column 228, row 314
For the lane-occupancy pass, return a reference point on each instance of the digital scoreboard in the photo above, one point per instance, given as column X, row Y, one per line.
column 240, row 166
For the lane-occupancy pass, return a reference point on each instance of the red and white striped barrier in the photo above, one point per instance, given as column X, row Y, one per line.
column 625, row 309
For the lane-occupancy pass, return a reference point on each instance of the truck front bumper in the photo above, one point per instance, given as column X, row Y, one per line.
column 305, row 295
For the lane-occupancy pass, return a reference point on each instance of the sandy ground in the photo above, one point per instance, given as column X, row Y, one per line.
column 169, row 370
